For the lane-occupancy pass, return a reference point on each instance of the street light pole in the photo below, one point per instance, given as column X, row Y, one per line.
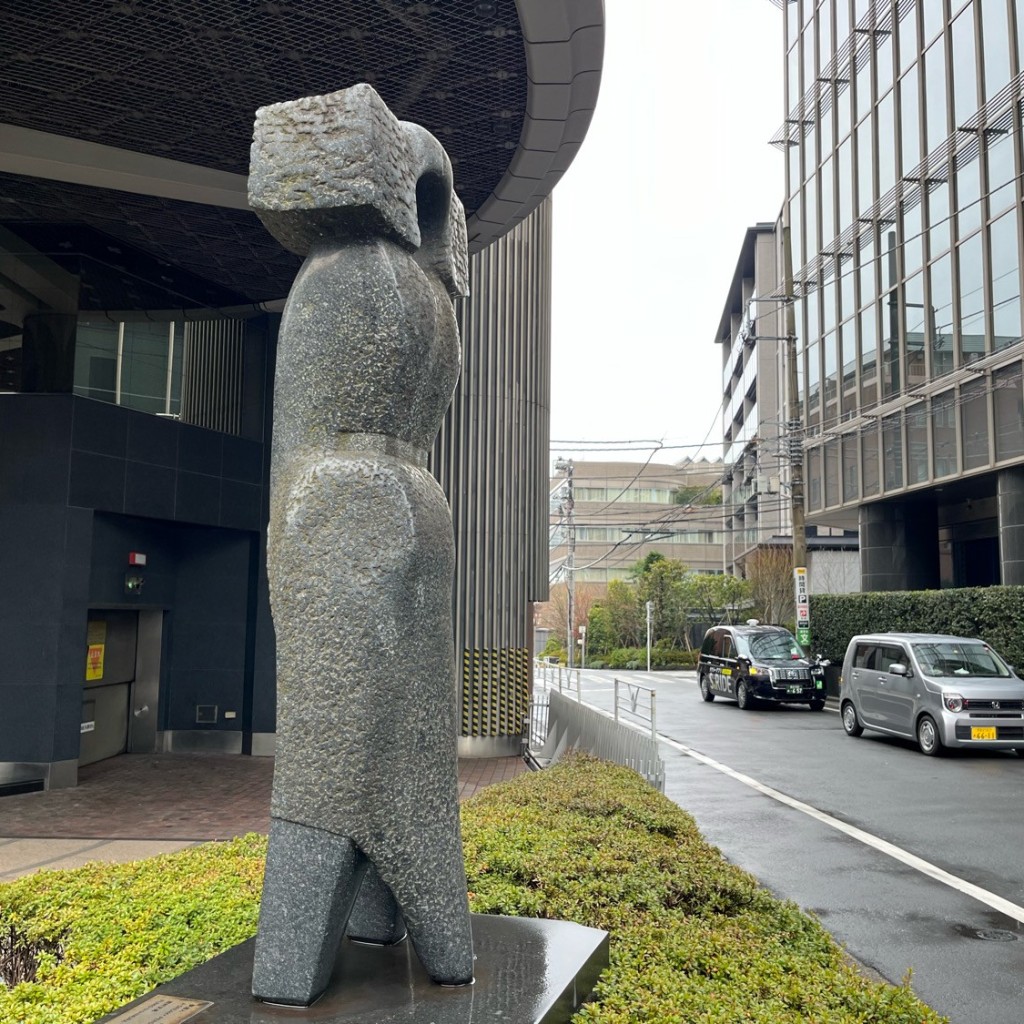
column 650, row 609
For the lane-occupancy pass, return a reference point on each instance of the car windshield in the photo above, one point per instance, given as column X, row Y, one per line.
column 774, row 646
column 958, row 660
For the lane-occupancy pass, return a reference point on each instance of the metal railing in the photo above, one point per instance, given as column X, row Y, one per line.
column 558, row 723
column 557, row 677
column 638, row 702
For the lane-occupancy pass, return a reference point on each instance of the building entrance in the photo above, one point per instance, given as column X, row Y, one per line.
column 122, row 683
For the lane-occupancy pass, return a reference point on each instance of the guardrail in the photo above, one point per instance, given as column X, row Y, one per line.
column 557, row 677
column 638, row 702
column 563, row 724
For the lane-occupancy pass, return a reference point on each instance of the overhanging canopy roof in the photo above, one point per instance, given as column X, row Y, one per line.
column 126, row 124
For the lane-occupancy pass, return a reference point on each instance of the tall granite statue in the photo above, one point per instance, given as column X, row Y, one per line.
column 365, row 818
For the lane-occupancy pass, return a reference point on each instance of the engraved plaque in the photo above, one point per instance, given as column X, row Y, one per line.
column 161, row 1010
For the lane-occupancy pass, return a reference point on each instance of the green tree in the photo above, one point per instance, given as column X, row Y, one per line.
column 623, row 608
column 714, row 597
column 694, row 494
column 600, row 633
column 659, row 580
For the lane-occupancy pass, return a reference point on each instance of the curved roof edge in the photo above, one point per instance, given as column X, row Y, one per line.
column 564, row 44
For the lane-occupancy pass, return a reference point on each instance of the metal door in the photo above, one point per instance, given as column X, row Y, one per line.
column 145, row 690
column 109, row 672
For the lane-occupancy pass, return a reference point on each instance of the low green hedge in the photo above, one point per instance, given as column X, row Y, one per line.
column 693, row 937
column 993, row 614
column 661, row 657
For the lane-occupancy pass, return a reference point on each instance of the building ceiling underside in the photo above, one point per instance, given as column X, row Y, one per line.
column 507, row 88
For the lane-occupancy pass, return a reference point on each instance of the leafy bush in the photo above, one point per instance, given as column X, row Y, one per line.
column 554, row 648
column 693, row 938
column 105, row 934
column 992, row 614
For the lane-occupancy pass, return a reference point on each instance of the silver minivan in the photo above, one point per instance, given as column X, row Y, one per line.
column 942, row 691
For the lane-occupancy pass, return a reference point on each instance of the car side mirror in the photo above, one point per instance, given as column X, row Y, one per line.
column 899, row 670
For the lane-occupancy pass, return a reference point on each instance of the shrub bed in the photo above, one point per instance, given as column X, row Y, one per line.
column 693, row 938
column 96, row 937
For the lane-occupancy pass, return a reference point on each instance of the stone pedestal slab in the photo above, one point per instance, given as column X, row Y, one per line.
column 527, row 971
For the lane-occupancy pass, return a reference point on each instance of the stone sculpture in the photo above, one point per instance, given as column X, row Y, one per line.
column 365, row 819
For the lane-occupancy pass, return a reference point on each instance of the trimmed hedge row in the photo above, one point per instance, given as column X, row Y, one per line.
column 993, row 614
column 636, row 658
column 694, row 938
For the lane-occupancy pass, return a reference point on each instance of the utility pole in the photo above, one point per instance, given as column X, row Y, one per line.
column 565, row 466
column 796, row 455
column 794, row 444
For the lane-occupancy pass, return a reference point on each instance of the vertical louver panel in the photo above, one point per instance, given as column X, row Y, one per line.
column 211, row 382
column 491, row 458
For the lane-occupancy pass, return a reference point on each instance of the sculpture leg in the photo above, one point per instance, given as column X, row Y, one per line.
column 435, row 909
column 376, row 917
column 312, row 879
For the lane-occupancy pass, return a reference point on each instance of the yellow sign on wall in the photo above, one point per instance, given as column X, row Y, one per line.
column 96, row 640
column 94, row 662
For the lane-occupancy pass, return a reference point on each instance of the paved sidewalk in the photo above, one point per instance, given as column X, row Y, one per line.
column 138, row 805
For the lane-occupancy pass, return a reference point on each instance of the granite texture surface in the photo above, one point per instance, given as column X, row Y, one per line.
column 527, row 971
column 360, row 547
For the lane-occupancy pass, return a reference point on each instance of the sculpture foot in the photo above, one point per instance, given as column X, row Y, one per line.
column 312, row 879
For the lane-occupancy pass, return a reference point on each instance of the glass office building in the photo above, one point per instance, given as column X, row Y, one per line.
column 903, row 153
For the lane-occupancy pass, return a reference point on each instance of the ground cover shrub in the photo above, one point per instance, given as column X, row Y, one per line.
column 693, row 938
column 96, row 937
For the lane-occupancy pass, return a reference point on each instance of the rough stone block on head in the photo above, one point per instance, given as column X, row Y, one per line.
column 327, row 166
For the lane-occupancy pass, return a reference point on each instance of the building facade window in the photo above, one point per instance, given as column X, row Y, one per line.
column 137, row 365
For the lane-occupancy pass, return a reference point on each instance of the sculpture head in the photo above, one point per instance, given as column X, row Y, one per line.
column 326, row 169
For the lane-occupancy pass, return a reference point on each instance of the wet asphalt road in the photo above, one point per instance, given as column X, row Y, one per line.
column 963, row 813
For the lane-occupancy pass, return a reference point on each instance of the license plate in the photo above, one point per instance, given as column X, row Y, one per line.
column 983, row 732
column 794, row 689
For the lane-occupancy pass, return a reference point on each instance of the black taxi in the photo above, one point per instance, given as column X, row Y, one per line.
column 758, row 662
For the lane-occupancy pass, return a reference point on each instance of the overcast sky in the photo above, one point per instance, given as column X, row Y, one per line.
column 650, row 217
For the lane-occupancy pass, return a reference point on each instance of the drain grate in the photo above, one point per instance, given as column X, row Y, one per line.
column 994, row 935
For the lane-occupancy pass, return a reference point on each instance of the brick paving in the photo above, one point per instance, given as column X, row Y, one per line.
column 178, row 797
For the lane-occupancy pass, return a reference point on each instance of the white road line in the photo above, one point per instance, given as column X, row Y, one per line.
column 990, row 899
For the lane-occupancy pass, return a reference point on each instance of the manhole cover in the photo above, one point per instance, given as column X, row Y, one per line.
column 995, row 935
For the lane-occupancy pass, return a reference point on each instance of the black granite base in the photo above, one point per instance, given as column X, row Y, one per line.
column 527, row 971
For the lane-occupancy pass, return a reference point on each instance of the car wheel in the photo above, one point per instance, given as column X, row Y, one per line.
column 850, row 721
column 817, row 704
column 705, row 688
column 928, row 739
column 743, row 697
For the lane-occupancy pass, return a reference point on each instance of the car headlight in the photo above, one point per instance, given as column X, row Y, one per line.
column 953, row 702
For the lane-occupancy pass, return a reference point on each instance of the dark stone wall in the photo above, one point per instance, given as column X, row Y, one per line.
column 82, row 483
